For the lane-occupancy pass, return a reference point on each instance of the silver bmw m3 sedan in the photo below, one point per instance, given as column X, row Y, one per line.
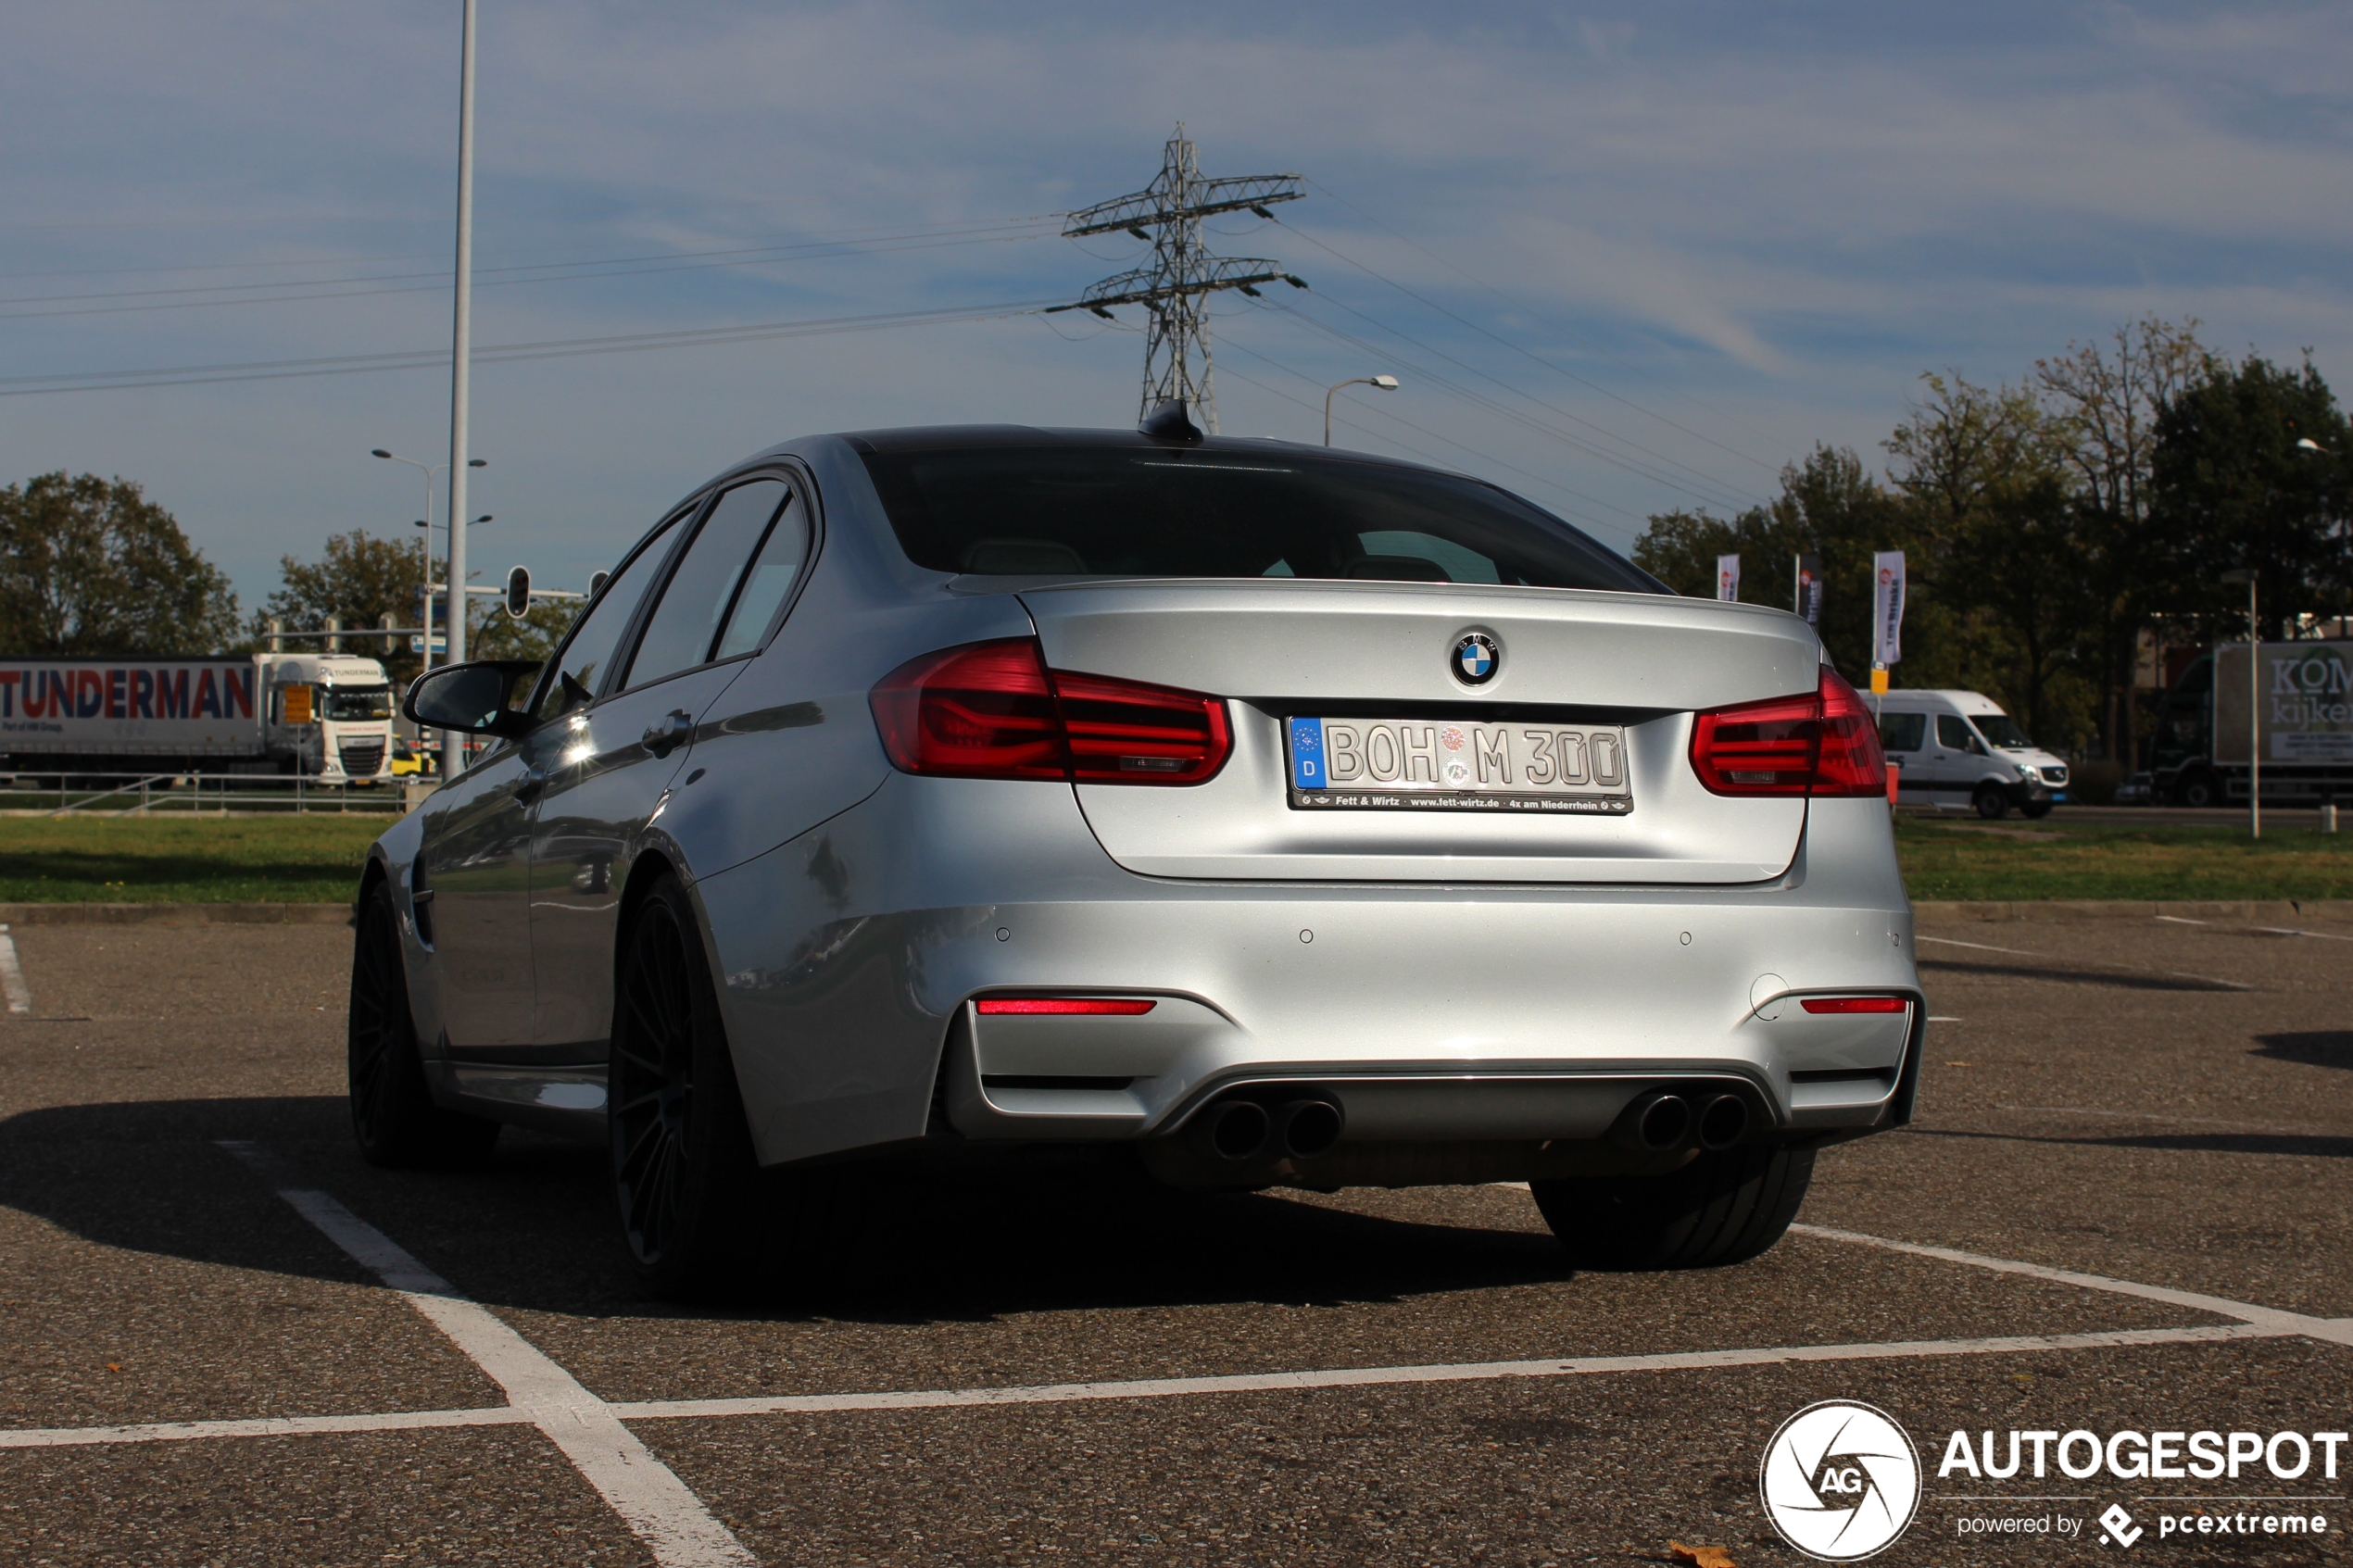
column 1244, row 813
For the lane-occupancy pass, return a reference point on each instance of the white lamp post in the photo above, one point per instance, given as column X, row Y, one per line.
column 1383, row 383
column 2254, row 706
column 428, row 469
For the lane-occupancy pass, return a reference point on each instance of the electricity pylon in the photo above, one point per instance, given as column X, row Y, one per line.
column 1176, row 286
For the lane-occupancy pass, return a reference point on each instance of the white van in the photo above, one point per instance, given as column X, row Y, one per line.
column 1958, row 751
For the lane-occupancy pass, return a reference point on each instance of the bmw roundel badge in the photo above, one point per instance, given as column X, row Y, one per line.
column 1477, row 658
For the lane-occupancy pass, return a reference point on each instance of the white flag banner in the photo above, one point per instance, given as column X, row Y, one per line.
column 1887, row 606
column 1728, row 577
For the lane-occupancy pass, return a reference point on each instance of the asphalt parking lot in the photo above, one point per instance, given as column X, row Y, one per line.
column 2135, row 1134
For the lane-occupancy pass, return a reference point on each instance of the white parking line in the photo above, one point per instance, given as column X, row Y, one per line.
column 1466, row 1371
column 12, row 983
column 1165, row 1387
column 2102, row 963
column 651, row 1499
column 2336, row 1331
column 262, row 1426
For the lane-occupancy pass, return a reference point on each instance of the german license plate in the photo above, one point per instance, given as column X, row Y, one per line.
column 1437, row 765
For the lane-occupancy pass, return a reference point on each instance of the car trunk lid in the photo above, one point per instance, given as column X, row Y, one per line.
column 1565, row 660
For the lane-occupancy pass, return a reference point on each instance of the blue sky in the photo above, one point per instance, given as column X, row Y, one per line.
column 1624, row 258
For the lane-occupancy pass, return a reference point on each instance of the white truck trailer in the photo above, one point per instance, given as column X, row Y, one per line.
column 2303, row 695
column 327, row 716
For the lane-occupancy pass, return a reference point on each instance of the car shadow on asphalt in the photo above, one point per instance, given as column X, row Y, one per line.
column 2326, row 1047
column 2124, row 979
column 2295, row 1145
column 533, row 1227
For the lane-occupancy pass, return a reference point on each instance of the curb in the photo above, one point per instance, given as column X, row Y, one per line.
column 2064, row 911
column 175, row 914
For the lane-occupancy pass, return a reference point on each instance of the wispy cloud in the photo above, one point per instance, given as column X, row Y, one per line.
column 1758, row 227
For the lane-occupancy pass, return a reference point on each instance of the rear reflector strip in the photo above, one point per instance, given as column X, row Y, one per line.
column 1854, row 1004
column 1114, row 1007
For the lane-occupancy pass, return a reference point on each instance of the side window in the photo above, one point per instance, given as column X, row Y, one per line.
column 1952, row 731
column 773, row 571
column 1902, row 732
column 685, row 623
column 582, row 665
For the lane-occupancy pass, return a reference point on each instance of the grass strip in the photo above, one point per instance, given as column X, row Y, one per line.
column 272, row 859
column 2053, row 860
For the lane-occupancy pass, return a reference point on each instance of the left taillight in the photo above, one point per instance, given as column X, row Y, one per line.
column 993, row 710
column 1821, row 743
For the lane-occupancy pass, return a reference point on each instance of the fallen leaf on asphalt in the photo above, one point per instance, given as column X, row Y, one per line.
column 114, row 1366
column 1702, row 1556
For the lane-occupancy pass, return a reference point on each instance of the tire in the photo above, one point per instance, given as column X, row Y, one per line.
column 2199, row 790
column 392, row 1114
column 684, row 1177
column 2035, row 810
column 1991, row 803
column 1722, row 1208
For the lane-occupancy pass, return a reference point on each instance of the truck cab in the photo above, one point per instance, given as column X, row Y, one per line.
column 329, row 716
column 1959, row 751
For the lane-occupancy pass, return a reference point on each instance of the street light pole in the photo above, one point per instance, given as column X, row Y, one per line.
column 460, row 339
column 428, row 471
column 2254, row 706
column 1384, row 383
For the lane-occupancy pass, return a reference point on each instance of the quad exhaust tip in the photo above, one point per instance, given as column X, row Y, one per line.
column 1238, row 1129
column 1660, row 1123
column 1723, row 1122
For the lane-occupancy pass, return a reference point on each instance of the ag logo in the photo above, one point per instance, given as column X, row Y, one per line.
column 1840, row 1481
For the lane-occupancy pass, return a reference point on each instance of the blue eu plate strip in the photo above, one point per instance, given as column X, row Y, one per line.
column 1307, row 753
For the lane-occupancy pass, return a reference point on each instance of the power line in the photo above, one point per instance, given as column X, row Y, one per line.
column 512, row 353
column 1525, row 353
column 488, row 277
column 1597, row 347
column 1736, row 497
column 1488, row 458
column 1501, row 410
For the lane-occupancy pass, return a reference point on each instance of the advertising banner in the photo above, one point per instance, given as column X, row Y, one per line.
column 2307, row 692
column 129, row 706
column 1809, row 590
column 1728, row 577
column 1887, row 606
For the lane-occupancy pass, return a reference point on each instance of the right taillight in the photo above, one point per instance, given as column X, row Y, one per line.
column 993, row 710
column 1819, row 743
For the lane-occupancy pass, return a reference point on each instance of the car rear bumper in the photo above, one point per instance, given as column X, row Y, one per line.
column 1436, row 1012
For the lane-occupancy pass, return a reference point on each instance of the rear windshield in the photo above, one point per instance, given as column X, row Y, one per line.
column 1129, row 512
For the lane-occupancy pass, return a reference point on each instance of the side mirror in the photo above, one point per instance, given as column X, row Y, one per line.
column 480, row 698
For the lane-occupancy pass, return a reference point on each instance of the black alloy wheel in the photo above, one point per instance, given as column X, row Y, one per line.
column 2198, row 791
column 392, row 1114
column 684, row 1172
column 1993, row 802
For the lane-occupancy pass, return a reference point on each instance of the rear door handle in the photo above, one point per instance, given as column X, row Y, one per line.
column 668, row 734
column 532, row 784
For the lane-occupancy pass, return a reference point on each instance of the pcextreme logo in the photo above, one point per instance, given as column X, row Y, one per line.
column 1840, row 1481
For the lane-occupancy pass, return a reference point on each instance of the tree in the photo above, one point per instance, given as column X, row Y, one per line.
column 358, row 581
column 91, row 565
column 2232, row 490
column 1829, row 507
column 1983, row 468
column 2104, row 403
